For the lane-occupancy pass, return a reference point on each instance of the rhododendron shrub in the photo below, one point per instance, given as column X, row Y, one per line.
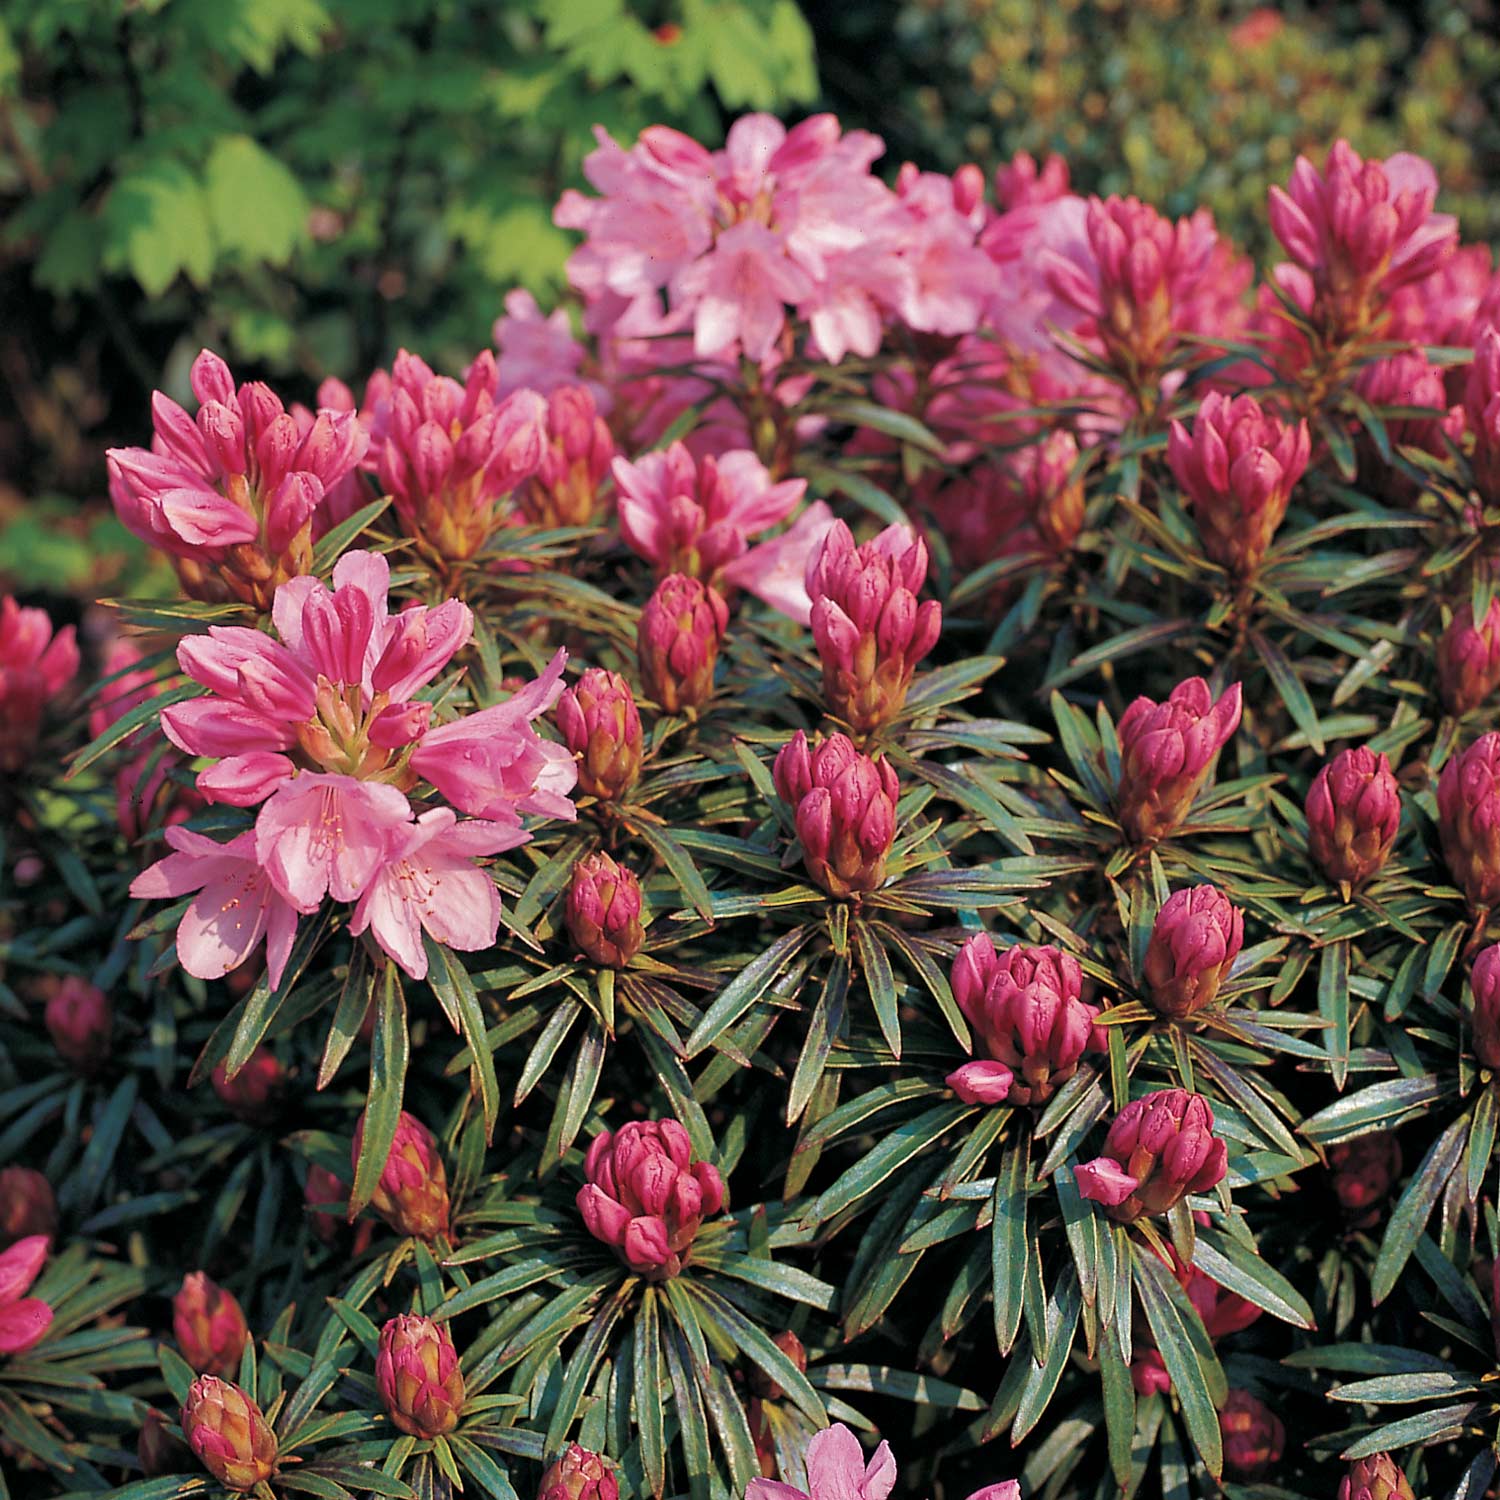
column 879, row 837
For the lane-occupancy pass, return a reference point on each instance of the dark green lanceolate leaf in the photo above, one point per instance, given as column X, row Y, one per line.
column 880, row 983
column 824, row 1027
column 1009, row 1241
column 452, row 984
column 746, row 989
column 337, row 539
column 1235, row 1268
column 389, row 1052
column 1409, row 1217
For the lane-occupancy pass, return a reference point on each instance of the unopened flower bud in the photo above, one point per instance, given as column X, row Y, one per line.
column 1482, row 411
column 1025, row 1007
column 678, row 642
column 1353, row 816
column 869, row 629
column 1159, row 1149
column 1253, row 1435
column 602, row 727
column 1484, row 981
column 228, row 1433
column 645, row 1196
column 844, row 808
column 1468, row 800
column 1197, row 936
column 1468, row 659
column 412, row 1194
column 27, row 1205
column 604, row 911
column 80, row 1021
column 791, row 1346
column 1167, row 754
column 254, row 1095
column 417, row 1373
column 579, row 1475
column 209, row 1326
column 1364, row 1171
column 156, row 1450
column 1237, row 470
column 564, row 490
column 1378, row 1477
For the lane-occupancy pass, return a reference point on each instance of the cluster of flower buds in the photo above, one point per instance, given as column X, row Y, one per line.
column 564, row 491
column 23, row 1320
column 327, row 1198
column 1195, row 940
column 1405, row 378
column 1484, row 981
column 1132, row 285
column 229, row 1433
column 1167, row 754
column 843, row 806
column 36, row 664
column 28, row 1206
column 869, row 629
column 1028, row 1016
column 1159, row 1149
column 1468, row 800
column 412, row 1194
column 1363, row 1172
column 448, row 453
column 1378, row 1477
column 233, row 495
column 677, row 642
column 80, row 1020
column 254, row 1095
column 1353, row 816
column 1359, row 230
column 601, row 725
column 578, row 1474
column 1253, row 1435
column 209, row 1326
column 604, row 911
column 418, row 1376
column 764, row 1389
column 1048, row 481
column 1237, row 469
column 1482, row 411
column 645, row 1197
column 1468, row 658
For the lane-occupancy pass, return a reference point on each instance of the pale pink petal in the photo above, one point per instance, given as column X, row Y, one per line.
column 1104, row 1181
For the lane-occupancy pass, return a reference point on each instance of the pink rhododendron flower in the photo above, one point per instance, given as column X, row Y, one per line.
column 836, row 1470
column 237, row 905
column 23, row 1320
column 538, row 350
column 428, row 881
column 1020, row 182
column 232, row 494
column 36, row 664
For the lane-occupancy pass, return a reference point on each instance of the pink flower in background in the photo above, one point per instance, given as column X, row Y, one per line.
column 428, row 882
column 564, row 491
column 232, row 494
column 538, row 351
column 1020, row 183
column 36, row 664
column 1482, row 408
column 1404, row 379
column 23, row 1320
column 236, row 907
column 946, row 279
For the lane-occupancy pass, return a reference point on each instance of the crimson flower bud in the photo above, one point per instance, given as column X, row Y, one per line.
column 1051, row 488
column 155, row 1447
column 678, row 642
column 791, row 1346
column 1253, row 1435
column 1237, row 470
column 412, row 1194
column 1353, row 816
column 417, row 1374
column 80, row 1021
column 209, row 1325
column 1468, row 659
column 27, row 1205
column 327, row 1199
column 1167, row 754
column 844, row 807
column 228, row 1433
column 1194, row 943
column 1025, row 1007
column 602, row 727
column 579, row 1475
column 1484, row 981
column 564, row 490
column 1364, row 1170
column 1378, row 1477
column 604, row 911
column 1468, row 800
column 1159, row 1149
column 646, row 1197
column 869, row 629
column 255, row 1093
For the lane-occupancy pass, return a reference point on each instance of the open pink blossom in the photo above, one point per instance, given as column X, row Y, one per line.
column 23, row 1319
column 429, row 882
column 539, row 351
column 836, row 1470
column 237, row 905
column 36, row 664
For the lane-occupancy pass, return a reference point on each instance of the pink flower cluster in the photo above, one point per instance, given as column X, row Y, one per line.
column 323, row 730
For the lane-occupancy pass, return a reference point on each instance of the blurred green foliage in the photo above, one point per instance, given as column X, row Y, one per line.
column 1182, row 102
